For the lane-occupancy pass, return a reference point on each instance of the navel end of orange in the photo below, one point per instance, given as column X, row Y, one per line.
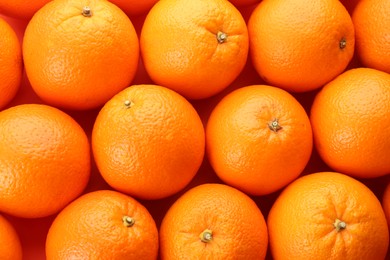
column 206, row 236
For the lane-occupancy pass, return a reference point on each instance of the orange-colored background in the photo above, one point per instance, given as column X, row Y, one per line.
column 32, row 232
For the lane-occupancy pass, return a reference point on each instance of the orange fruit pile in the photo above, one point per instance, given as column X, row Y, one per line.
column 207, row 129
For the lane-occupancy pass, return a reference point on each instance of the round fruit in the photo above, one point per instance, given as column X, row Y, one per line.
column 327, row 215
column 10, row 246
column 196, row 48
column 258, row 139
column 10, row 63
column 78, row 54
column 349, row 117
column 300, row 45
column 371, row 20
column 213, row 221
column 103, row 225
column 148, row 141
column 21, row 9
column 44, row 158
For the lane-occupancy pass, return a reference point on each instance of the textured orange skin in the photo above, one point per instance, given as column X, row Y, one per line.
column 91, row 227
column 78, row 62
column 134, row 7
column 372, row 21
column 44, row 158
column 350, row 118
column 242, row 149
column 152, row 149
column 21, row 9
column 10, row 246
column 300, row 223
column 386, row 203
column 10, row 63
column 238, row 226
column 180, row 49
column 295, row 44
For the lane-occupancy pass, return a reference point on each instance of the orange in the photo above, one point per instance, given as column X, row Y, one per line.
column 10, row 63
column 213, row 221
column 196, row 48
column 371, row 20
column 134, row 7
column 299, row 45
column 21, row 9
column 78, row 54
column 10, row 246
column 258, row 139
column 44, row 158
column 103, row 224
column 349, row 117
column 327, row 215
column 148, row 141
column 386, row 202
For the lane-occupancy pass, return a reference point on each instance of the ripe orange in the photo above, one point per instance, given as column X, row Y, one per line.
column 196, row 48
column 350, row 117
column 327, row 215
column 44, row 158
column 299, row 45
column 258, row 139
column 10, row 63
column 148, row 141
column 10, row 246
column 78, row 54
column 103, row 225
column 21, row 9
column 213, row 221
column 371, row 20
column 386, row 203
column 134, row 7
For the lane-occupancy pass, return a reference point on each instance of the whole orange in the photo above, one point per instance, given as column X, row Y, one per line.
column 103, row 224
column 349, row 117
column 196, row 48
column 148, row 141
column 10, row 63
column 299, row 45
column 213, row 221
column 327, row 215
column 134, row 7
column 21, row 9
column 258, row 139
column 10, row 246
column 44, row 158
column 78, row 54
column 371, row 20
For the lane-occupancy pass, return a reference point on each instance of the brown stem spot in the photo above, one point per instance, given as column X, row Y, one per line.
column 343, row 43
column 274, row 125
column 221, row 37
column 128, row 103
column 128, row 221
column 206, row 236
column 339, row 225
column 87, row 11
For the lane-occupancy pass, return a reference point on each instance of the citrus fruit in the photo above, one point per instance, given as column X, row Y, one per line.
column 148, row 141
column 349, row 117
column 103, row 224
column 299, row 45
column 371, row 20
column 10, row 246
column 258, row 139
column 21, row 9
column 386, row 202
column 44, row 158
column 327, row 215
column 196, row 48
column 78, row 54
column 213, row 221
column 10, row 63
